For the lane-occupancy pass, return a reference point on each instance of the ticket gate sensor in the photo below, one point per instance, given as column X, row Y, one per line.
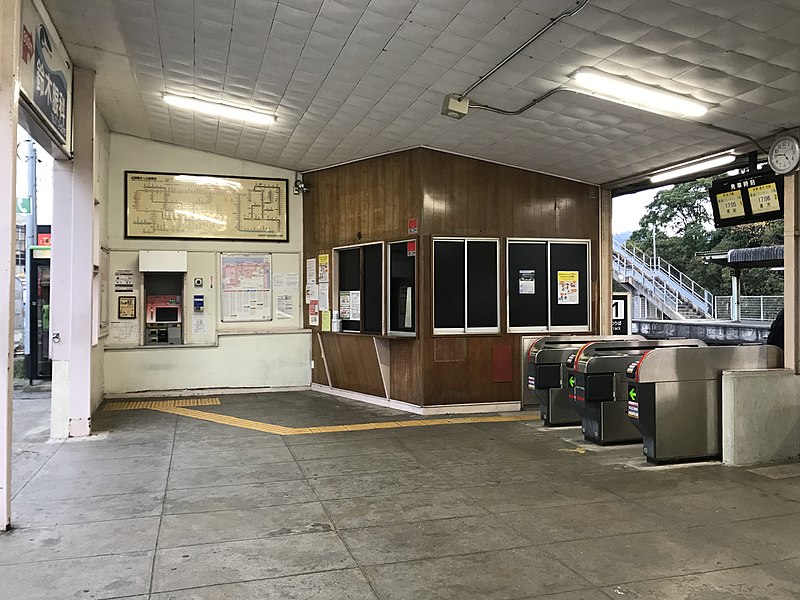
column 674, row 397
column 547, row 380
column 599, row 387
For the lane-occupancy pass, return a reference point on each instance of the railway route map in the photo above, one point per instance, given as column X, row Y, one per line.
column 165, row 205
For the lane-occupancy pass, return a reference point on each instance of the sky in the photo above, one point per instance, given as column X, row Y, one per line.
column 627, row 210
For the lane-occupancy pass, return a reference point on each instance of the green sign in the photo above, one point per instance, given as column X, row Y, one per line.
column 632, row 394
column 572, row 381
column 23, row 206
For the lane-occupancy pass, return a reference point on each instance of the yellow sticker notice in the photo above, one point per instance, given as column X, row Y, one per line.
column 730, row 204
column 764, row 198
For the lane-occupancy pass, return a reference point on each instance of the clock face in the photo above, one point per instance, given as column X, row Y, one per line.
column 784, row 155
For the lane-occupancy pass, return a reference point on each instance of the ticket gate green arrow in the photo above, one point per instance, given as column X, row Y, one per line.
column 571, row 381
column 632, row 394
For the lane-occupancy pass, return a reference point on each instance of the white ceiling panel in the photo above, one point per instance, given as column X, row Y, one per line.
column 349, row 78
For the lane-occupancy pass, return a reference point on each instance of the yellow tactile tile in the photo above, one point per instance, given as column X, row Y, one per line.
column 282, row 430
column 174, row 403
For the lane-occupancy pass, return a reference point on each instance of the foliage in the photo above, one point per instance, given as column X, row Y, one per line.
column 683, row 211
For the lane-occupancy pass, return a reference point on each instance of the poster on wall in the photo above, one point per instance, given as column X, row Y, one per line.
column 174, row 206
column 123, row 281
column 126, row 307
column 527, row 282
column 324, row 268
column 567, row 282
column 344, row 306
column 312, row 293
column 324, row 297
column 311, row 271
column 285, row 306
column 355, row 305
column 246, row 293
column 45, row 73
column 313, row 313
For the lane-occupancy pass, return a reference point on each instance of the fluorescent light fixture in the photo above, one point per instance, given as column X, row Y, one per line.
column 219, row 109
column 696, row 167
column 199, row 217
column 637, row 95
column 210, row 181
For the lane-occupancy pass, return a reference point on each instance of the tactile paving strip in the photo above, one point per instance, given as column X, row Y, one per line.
column 156, row 404
column 281, row 430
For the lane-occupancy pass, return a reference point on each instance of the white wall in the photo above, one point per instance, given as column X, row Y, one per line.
column 102, row 145
column 760, row 416
column 227, row 355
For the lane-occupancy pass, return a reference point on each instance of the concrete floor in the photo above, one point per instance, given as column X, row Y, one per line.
column 166, row 507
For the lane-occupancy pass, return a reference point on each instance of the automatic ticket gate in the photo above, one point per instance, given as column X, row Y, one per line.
column 674, row 397
column 599, row 387
column 547, row 379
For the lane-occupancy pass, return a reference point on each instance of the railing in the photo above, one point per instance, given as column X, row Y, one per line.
column 642, row 277
column 682, row 286
column 751, row 308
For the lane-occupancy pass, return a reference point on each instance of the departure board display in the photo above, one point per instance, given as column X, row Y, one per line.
column 747, row 199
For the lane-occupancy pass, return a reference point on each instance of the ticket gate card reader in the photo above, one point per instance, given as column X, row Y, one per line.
column 598, row 387
column 674, row 397
column 547, row 381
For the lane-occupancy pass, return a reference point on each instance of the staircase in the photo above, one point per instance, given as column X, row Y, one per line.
column 673, row 293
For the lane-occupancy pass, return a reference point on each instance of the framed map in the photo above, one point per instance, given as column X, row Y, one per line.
column 174, row 206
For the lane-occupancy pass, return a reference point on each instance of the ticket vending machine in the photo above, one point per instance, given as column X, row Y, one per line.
column 163, row 309
column 164, row 320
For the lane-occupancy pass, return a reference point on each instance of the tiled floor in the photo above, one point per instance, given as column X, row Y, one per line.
column 163, row 507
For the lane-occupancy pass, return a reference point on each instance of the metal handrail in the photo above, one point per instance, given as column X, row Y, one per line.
column 692, row 291
column 658, row 290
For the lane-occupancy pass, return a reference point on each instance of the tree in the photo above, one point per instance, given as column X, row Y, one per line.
column 682, row 206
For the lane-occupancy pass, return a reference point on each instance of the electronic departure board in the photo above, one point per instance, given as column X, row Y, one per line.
column 747, row 199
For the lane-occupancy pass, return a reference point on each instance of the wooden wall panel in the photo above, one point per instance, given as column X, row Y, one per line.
column 372, row 200
column 468, row 197
column 405, row 371
column 366, row 201
column 353, row 363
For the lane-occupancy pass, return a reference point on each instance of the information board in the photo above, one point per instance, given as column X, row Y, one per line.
column 747, row 199
column 246, row 292
column 45, row 73
column 167, row 205
column 621, row 313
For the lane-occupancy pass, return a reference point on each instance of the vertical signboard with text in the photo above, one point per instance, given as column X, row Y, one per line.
column 46, row 73
column 621, row 313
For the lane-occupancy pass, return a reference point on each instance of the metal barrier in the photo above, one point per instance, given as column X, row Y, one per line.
column 752, row 308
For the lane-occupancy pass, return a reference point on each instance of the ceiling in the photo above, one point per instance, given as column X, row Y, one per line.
column 353, row 78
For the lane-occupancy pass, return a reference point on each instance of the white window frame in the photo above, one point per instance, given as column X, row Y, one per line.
column 466, row 330
column 334, row 285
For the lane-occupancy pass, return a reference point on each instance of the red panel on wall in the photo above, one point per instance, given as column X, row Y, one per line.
column 501, row 364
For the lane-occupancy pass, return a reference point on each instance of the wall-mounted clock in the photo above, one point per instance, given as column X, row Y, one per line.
column 784, row 154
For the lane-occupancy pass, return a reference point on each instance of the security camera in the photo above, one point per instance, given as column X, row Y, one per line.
column 299, row 187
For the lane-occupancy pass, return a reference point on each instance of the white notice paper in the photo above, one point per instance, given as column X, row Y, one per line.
column 344, row 306
column 292, row 280
column 198, row 323
column 311, row 271
column 355, row 305
column 527, row 282
column 312, row 293
column 285, row 306
column 324, row 302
